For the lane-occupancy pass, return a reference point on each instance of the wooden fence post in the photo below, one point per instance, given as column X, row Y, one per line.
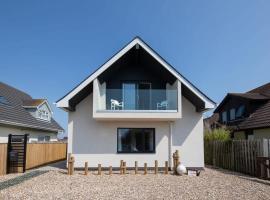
column 121, row 166
column 69, row 168
column 166, row 167
column 68, row 161
column 232, row 156
column 71, row 165
column 156, row 166
column 136, row 167
column 145, row 168
column 124, row 167
column 99, row 169
column 85, row 168
column 214, row 153
column 174, row 164
column 175, row 160
column 110, row 170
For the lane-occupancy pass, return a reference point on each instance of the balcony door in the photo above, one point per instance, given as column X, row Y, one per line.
column 144, row 96
column 136, row 95
column 129, row 96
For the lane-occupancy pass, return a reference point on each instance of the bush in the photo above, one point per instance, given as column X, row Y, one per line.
column 217, row 134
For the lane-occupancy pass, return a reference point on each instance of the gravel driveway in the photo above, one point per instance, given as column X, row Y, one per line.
column 211, row 184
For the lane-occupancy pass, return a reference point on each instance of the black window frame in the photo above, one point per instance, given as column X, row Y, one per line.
column 141, row 152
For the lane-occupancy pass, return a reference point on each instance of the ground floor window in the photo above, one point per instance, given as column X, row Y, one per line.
column 44, row 138
column 47, row 138
column 135, row 140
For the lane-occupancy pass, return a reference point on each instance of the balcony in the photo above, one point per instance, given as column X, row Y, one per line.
column 135, row 103
column 122, row 100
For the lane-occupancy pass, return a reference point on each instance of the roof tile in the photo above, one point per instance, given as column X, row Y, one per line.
column 15, row 113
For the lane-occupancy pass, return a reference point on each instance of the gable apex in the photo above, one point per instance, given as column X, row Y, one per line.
column 64, row 101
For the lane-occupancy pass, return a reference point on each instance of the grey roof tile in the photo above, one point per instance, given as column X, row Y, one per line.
column 15, row 114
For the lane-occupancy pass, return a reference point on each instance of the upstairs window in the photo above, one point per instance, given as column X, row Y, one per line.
column 232, row 114
column 4, row 101
column 224, row 117
column 240, row 111
column 43, row 114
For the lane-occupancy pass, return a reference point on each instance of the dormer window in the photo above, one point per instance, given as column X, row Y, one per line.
column 240, row 111
column 4, row 101
column 43, row 114
column 224, row 117
column 232, row 114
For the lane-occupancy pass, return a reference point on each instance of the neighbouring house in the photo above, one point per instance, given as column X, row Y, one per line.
column 64, row 139
column 20, row 114
column 247, row 115
column 135, row 107
column 212, row 122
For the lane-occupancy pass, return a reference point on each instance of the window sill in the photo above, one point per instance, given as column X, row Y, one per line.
column 149, row 152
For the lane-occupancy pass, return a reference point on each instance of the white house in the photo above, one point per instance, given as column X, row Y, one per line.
column 135, row 107
column 21, row 114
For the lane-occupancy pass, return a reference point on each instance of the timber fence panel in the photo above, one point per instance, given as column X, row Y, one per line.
column 42, row 153
column 237, row 155
column 3, row 159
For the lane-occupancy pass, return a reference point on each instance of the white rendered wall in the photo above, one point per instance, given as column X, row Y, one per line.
column 95, row 141
column 187, row 136
column 33, row 135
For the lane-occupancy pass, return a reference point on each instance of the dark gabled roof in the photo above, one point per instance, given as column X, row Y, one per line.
column 15, row 114
column 254, row 96
column 212, row 119
column 260, row 93
column 264, row 90
column 163, row 60
column 259, row 119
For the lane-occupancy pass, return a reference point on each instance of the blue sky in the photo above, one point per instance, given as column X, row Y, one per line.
column 47, row 47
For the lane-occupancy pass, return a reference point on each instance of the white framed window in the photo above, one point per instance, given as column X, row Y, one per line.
column 232, row 114
column 41, row 138
column 224, row 116
column 43, row 114
column 47, row 138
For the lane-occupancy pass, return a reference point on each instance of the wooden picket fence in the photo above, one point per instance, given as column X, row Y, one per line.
column 37, row 154
column 237, row 155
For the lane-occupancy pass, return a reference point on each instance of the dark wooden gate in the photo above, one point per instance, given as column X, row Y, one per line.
column 16, row 158
column 263, row 167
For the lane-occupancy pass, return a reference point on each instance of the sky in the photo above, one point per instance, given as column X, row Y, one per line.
column 48, row 47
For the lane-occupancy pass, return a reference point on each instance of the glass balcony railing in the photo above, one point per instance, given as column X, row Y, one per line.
column 138, row 99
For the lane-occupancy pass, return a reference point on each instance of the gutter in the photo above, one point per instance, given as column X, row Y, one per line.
column 170, row 145
column 27, row 126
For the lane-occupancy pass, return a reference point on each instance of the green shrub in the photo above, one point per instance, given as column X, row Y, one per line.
column 217, row 134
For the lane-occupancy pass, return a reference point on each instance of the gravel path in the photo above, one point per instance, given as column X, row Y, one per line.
column 211, row 184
